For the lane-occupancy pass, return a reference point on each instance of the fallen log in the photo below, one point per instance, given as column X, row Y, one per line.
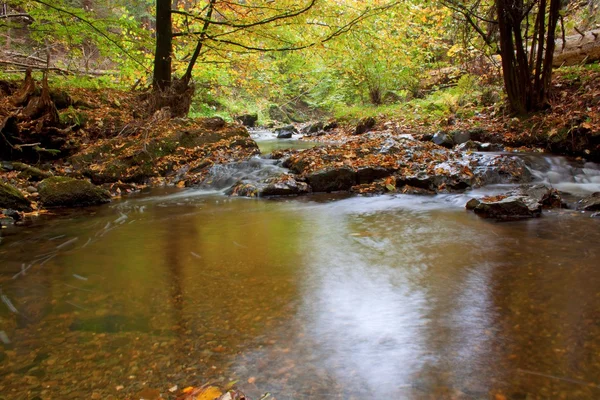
column 583, row 48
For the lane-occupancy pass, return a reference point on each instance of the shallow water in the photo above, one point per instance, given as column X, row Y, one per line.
column 325, row 296
column 267, row 142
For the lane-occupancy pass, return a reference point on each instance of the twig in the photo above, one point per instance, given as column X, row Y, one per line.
column 560, row 378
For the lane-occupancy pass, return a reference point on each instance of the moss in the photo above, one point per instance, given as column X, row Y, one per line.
column 11, row 198
column 69, row 192
column 31, row 173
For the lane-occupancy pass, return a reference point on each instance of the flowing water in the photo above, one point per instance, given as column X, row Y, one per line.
column 318, row 297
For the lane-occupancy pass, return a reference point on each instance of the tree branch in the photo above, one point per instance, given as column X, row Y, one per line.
column 91, row 25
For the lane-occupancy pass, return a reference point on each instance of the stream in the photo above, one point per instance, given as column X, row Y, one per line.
column 327, row 296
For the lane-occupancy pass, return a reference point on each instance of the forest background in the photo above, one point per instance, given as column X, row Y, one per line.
column 285, row 61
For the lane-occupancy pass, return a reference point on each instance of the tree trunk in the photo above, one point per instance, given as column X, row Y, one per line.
column 527, row 72
column 164, row 38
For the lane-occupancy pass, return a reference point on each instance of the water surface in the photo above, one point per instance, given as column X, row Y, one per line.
column 324, row 296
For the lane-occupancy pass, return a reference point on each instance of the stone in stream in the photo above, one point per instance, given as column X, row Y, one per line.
column 524, row 202
column 10, row 197
column 332, row 179
column 311, row 129
column 286, row 132
column 371, row 174
column 283, row 185
column 443, row 139
column 471, row 145
column 69, row 192
column 590, row 203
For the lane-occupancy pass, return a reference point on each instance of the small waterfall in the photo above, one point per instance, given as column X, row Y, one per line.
column 572, row 176
column 223, row 176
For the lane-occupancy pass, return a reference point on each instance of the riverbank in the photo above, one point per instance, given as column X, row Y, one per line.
column 104, row 143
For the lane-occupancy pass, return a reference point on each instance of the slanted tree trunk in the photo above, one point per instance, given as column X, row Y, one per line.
column 527, row 55
column 578, row 49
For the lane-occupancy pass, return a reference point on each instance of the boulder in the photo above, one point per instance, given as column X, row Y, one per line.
column 312, row 129
column 524, row 202
column 248, row 120
column 286, row 132
column 69, row 192
column 332, row 179
column 503, row 208
column 11, row 198
column 460, row 137
column 443, row 139
column 283, row 185
column 371, row 174
column 365, row 125
column 471, row 145
column 590, row 203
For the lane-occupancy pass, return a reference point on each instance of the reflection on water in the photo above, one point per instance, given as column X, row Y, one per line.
column 320, row 297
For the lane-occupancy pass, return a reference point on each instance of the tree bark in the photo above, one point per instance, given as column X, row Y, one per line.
column 527, row 72
column 164, row 37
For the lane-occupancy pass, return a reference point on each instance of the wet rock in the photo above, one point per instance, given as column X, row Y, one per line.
column 460, row 137
column 443, row 139
column 490, row 147
column 371, row 174
column 31, row 189
column 286, row 132
column 525, row 202
column 590, row 203
column 10, row 197
column 331, row 179
column 365, row 125
column 478, row 146
column 312, row 129
column 505, row 208
column 69, row 192
column 248, row 120
column 14, row 214
column 495, row 169
column 284, row 185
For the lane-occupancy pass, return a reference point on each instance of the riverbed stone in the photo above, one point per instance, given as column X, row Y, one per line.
column 443, row 139
column 460, row 137
column 69, row 192
column 283, row 185
column 371, row 174
column 286, row 132
column 524, row 202
column 505, row 208
column 10, row 197
column 590, row 203
column 332, row 179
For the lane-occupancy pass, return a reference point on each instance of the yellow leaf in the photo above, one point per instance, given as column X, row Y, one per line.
column 210, row 393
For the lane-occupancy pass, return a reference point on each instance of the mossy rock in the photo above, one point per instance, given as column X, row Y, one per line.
column 69, row 192
column 31, row 173
column 10, row 197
